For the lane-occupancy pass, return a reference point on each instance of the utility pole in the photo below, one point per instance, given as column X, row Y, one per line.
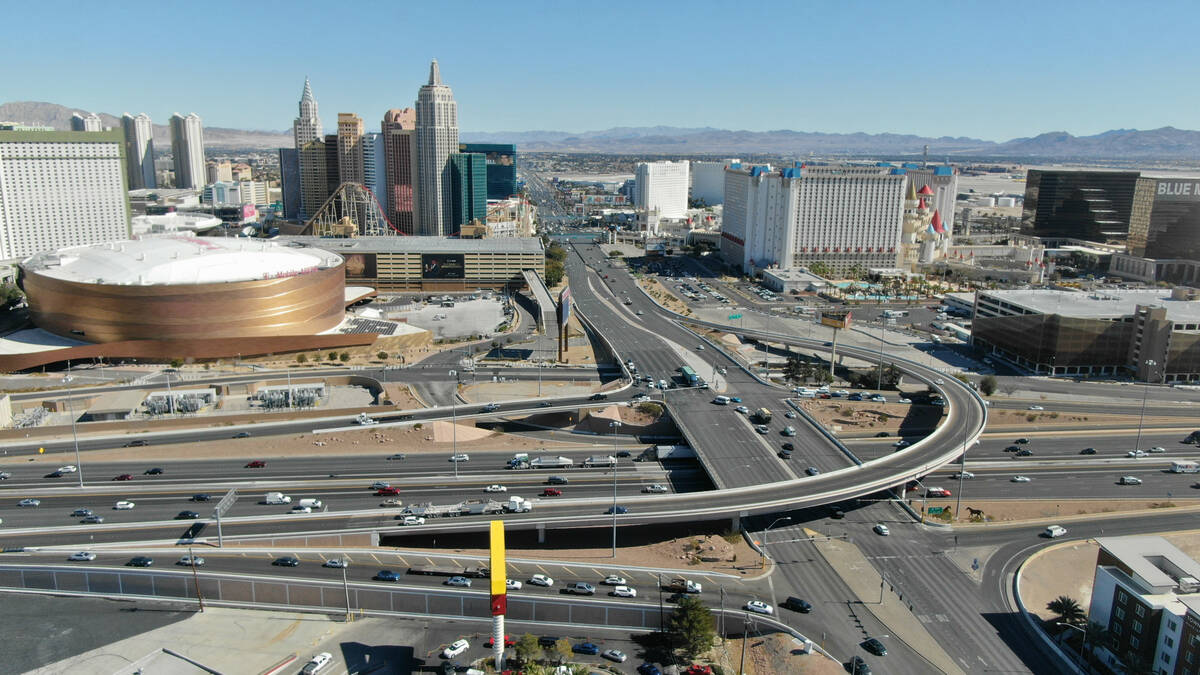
column 745, row 639
column 346, row 588
column 74, row 435
column 196, row 579
column 615, row 425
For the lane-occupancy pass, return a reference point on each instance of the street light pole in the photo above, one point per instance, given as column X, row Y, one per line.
column 614, row 425
column 1137, row 445
column 879, row 380
column 764, row 541
column 74, row 434
column 346, row 588
column 1081, row 639
column 962, row 469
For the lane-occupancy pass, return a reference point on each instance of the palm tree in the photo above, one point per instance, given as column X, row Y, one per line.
column 1067, row 609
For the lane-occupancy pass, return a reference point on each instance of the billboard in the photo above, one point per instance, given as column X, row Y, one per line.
column 442, row 266
column 1176, row 190
column 835, row 319
column 564, row 307
column 360, row 265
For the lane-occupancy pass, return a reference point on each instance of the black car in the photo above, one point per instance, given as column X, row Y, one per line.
column 784, row 454
column 789, row 447
column 156, row 471
column 547, row 641
column 140, row 561
column 797, row 605
column 187, row 515
column 598, row 397
column 286, row 561
column 1087, row 451
column 618, row 510
column 874, row 646
column 139, row 443
column 242, row 434
column 1022, row 441
column 387, row 575
column 623, row 453
column 1013, row 448
column 200, row 498
column 1024, row 453
column 837, row 514
column 882, row 434
column 857, row 666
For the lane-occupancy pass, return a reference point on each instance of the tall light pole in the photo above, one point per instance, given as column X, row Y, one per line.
column 879, row 380
column 74, row 435
column 614, row 425
column 962, row 469
column 1082, row 639
column 764, row 541
column 1150, row 363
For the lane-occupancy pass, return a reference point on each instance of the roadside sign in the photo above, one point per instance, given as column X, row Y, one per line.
column 734, row 316
column 226, row 502
column 934, row 510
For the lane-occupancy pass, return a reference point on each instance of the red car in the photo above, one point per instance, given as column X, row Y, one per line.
column 551, row 492
column 937, row 492
column 697, row 669
column 508, row 642
column 256, row 464
column 387, row 491
column 123, row 476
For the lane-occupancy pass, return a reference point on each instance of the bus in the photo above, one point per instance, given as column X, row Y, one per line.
column 894, row 313
column 689, row 375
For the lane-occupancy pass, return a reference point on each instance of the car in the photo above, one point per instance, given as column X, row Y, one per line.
column 242, row 434
column 551, row 492
column 937, row 492
column 874, row 646
column 857, row 666
column 387, row 491
column 82, row 556
column 762, row 429
column 81, row 513
column 784, row 454
column 790, row 415
column 1129, row 480
column 300, row 508
column 256, row 464
column 190, row 560
column 557, row 480
column 742, row 409
column 656, row 489
column 547, row 641
column 187, row 515
column 1013, row 448
column 541, row 580
column 587, row 648
column 140, row 561
column 316, row 663
column 616, row 510
column 854, row 397
column 939, row 381
column 697, row 669
column 200, row 498
column 1158, row 448
column 700, row 348
column 1035, row 407
column 380, row 485
column 455, row 648
column 1022, row 441
column 623, row 453
column 596, row 397
column 509, row 641
column 1019, row 479
column 336, row 563
column 962, row 475
column 139, row 443
column 735, row 399
column 759, row 607
column 838, row 514
column 901, row 444
column 123, row 476
column 879, row 398
column 93, row 520
column 1137, row 453
column 286, row 561
column 881, row 529
column 788, row 446
column 904, row 400
column 461, row 582
column 495, row 488
column 398, row 455
column 1087, row 451
column 543, row 404
column 623, row 592
column 386, row 575
column 155, row 471
column 614, row 580
column 124, row 505
column 580, row 588
column 614, row 655
column 813, row 471
column 797, row 605
column 70, row 468
column 5, row 475
column 1024, row 453
column 460, row 457
column 513, row 585
column 491, row 407
column 648, row 669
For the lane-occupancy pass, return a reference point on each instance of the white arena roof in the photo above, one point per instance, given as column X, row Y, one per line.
column 178, row 260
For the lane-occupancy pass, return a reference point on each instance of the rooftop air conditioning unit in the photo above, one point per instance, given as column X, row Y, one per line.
column 1188, row 584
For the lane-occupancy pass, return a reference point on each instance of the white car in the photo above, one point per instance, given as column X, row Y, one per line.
column 1136, row 453
column 1130, row 480
column 70, row 468
column 1020, row 479
column 412, row 520
column 1158, row 448
column 940, row 381
column 1036, row 407
column 461, row 457
column 700, row 347
column 513, row 585
column 541, row 580
column 456, row 648
column 901, row 444
column 963, row 475
column 82, row 556
column 656, row 489
column 742, row 409
column 495, row 488
column 317, row 663
column 881, row 530
column 904, row 400
column 191, row 560
column 614, row 580
column 337, row 563
column 123, row 505
column 623, row 592
column 759, row 607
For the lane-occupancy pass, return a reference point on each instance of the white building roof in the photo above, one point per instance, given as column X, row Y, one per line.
column 1153, row 561
column 178, row 260
column 1107, row 304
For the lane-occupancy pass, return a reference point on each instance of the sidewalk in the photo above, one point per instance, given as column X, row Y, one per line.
column 865, row 582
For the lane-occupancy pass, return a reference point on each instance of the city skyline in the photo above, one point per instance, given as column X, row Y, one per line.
column 831, row 78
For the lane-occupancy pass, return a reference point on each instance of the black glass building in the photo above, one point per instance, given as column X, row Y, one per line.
column 501, row 167
column 1173, row 230
column 1089, row 205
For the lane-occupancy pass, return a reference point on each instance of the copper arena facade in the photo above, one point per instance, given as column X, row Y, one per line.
column 184, row 288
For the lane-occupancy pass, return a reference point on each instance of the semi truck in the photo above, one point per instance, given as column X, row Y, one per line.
column 551, row 463
column 471, row 572
column 599, row 460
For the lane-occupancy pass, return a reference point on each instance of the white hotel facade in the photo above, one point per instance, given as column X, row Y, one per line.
column 662, row 187
column 842, row 217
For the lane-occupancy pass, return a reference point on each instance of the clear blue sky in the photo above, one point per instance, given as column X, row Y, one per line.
column 992, row 70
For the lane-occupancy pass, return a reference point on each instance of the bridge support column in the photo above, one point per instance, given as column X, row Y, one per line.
column 736, row 523
column 541, row 530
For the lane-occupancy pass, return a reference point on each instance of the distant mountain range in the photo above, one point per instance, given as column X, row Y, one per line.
column 1167, row 143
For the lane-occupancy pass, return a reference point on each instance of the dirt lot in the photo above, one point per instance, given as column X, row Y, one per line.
column 774, row 654
column 842, row 416
column 664, row 297
column 1069, row 570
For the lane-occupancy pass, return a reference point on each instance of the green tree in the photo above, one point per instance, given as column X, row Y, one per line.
column 793, row 370
column 692, row 627
column 175, row 363
column 554, row 272
column 526, row 648
column 987, row 386
column 561, row 651
column 344, row 357
column 382, row 356
column 652, row 409
column 301, row 358
column 615, row 254
column 1067, row 609
column 332, row 356
column 821, row 269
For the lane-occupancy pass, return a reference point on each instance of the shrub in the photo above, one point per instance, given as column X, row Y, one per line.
column 301, row 358
column 382, row 356
column 345, row 356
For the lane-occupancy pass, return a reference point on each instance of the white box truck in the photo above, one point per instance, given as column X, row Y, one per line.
column 277, row 498
column 599, row 460
column 310, row 503
column 1185, row 466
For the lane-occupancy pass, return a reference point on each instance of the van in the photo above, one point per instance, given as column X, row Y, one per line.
column 557, row 480
column 277, row 498
column 310, row 503
column 806, row 394
column 1054, row 531
column 721, row 400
